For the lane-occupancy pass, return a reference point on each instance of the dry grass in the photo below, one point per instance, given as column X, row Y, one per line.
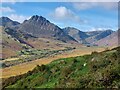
column 10, row 59
column 44, row 43
column 25, row 67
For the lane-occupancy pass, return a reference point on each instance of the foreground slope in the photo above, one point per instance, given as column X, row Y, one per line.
column 98, row 70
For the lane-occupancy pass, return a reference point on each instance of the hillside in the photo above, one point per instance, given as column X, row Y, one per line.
column 95, row 36
column 10, row 45
column 6, row 22
column 76, row 34
column 90, row 37
column 111, row 40
column 16, row 38
column 36, row 26
column 40, row 27
column 98, row 70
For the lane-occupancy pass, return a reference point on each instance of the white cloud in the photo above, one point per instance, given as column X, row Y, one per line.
column 83, row 5
column 63, row 14
column 19, row 18
column 98, row 29
column 6, row 9
column 89, row 5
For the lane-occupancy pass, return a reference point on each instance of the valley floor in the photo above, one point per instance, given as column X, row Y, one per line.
column 25, row 67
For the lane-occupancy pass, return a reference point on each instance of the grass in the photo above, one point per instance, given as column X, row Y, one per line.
column 71, row 73
column 25, row 67
column 28, row 55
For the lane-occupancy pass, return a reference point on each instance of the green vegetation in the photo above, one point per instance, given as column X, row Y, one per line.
column 98, row 70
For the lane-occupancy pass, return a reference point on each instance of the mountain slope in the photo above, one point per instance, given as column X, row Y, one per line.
column 98, row 70
column 95, row 36
column 6, row 22
column 87, row 37
column 10, row 45
column 111, row 40
column 76, row 34
column 38, row 26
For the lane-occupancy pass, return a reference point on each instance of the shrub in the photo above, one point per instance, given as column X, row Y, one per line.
column 66, row 71
column 94, row 53
column 40, row 68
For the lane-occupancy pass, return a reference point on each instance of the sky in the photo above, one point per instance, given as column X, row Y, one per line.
column 85, row 16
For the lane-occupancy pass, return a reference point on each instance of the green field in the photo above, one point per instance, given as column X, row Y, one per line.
column 28, row 55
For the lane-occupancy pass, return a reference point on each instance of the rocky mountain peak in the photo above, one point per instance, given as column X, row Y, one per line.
column 5, row 21
column 5, row 18
column 38, row 19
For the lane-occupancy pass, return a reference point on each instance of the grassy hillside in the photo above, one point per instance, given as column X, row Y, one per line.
column 98, row 70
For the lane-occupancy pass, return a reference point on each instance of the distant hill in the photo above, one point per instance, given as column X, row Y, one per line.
column 39, row 26
column 87, row 37
column 16, row 36
column 6, row 22
column 76, row 34
column 111, row 40
column 95, row 36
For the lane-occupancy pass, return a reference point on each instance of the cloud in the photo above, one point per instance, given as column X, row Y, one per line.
column 89, row 5
column 6, row 9
column 19, row 18
column 83, row 5
column 63, row 14
column 98, row 29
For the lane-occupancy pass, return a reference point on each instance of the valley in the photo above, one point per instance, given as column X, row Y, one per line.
column 25, row 67
column 98, row 70
column 38, row 47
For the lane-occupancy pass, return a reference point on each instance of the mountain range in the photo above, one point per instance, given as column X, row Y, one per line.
column 99, row 38
column 40, row 27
